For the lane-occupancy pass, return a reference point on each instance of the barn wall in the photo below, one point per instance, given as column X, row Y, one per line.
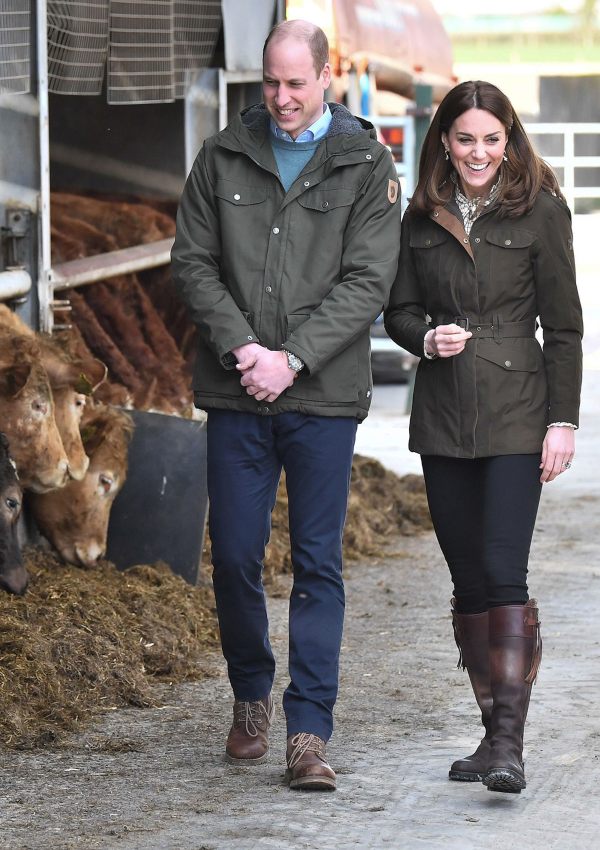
column 105, row 148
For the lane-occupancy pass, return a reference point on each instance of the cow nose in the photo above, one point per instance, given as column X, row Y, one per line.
column 77, row 472
column 15, row 580
column 90, row 554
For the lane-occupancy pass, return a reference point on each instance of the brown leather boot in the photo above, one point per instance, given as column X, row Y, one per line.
column 515, row 655
column 471, row 634
column 248, row 739
column 307, row 765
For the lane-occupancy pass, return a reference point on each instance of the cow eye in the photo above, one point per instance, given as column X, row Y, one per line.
column 106, row 482
column 13, row 504
column 40, row 406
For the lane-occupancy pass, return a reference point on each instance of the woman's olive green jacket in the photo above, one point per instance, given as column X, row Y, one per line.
column 499, row 395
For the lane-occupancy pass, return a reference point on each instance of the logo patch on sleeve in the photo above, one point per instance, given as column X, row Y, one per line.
column 392, row 191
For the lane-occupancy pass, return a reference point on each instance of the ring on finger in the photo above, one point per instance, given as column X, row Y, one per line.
column 567, row 464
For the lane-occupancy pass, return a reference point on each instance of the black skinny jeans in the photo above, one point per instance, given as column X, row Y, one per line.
column 483, row 513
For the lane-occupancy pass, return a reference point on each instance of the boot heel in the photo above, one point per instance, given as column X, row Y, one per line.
column 503, row 779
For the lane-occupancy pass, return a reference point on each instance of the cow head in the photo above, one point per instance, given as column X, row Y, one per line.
column 72, row 382
column 75, row 519
column 27, row 415
column 13, row 575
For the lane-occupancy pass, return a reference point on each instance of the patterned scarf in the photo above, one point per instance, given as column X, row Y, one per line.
column 471, row 208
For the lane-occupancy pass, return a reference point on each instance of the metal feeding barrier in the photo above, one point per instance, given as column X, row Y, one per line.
column 148, row 46
column 14, row 46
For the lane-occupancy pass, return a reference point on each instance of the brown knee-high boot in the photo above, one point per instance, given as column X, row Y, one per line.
column 471, row 635
column 515, row 655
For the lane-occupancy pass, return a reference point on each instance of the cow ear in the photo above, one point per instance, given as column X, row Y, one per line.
column 13, row 378
column 60, row 374
column 94, row 373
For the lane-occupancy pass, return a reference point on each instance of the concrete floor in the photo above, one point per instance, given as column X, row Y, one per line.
column 157, row 780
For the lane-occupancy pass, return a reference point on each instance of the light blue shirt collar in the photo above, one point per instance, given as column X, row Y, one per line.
column 315, row 132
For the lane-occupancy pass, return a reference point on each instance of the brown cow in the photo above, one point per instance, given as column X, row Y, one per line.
column 70, row 380
column 75, row 518
column 13, row 575
column 27, row 414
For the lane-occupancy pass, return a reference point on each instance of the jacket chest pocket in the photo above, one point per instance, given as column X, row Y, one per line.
column 318, row 221
column 509, row 257
column 429, row 253
column 327, row 201
column 244, row 223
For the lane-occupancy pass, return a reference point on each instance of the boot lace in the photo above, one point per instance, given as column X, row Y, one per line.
column 302, row 743
column 255, row 716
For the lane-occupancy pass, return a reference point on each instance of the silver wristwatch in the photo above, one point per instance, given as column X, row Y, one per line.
column 294, row 362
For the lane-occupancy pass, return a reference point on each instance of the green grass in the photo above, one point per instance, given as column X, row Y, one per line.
column 517, row 50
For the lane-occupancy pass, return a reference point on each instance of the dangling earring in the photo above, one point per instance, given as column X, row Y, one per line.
column 504, row 157
column 447, row 155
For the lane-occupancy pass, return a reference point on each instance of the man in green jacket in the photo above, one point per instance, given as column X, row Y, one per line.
column 287, row 244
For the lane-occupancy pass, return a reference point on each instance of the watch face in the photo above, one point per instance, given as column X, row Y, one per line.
column 294, row 362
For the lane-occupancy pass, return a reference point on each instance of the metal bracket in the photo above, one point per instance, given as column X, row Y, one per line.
column 18, row 225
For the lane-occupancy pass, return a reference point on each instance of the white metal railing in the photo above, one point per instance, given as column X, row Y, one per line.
column 569, row 161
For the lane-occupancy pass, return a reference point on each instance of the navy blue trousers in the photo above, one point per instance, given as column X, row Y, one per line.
column 483, row 512
column 246, row 453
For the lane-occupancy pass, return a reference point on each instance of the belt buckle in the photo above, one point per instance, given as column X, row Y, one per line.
column 462, row 322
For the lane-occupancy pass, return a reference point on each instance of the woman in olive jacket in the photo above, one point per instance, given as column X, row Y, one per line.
column 486, row 253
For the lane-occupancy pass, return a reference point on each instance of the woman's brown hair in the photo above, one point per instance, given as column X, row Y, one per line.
column 523, row 175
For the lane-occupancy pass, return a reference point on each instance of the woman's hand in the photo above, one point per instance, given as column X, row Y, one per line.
column 446, row 340
column 558, row 450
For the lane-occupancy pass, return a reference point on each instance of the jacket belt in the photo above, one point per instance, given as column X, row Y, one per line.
column 494, row 330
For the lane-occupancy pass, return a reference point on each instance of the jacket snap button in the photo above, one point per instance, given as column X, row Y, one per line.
column 236, row 197
column 306, row 183
column 428, row 242
column 508, row 363
column 250, row 337
column 466, row 239
column 477, row 239
column 478, row 329
column 267, row 289
column 369, row 156
column 507, row 241
column 436, row 214
column 325, row 204
column 275, row 230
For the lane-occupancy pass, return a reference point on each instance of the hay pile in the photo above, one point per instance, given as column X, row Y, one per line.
column 381, row 505
column 83, row 641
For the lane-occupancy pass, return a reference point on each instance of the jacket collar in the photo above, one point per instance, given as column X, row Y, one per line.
column 249, row 133
column 453, row 225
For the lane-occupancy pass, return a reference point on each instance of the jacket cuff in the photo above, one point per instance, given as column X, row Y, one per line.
column 227, row 357
column 559, row 413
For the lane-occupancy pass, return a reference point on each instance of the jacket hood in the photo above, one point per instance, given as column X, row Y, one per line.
column 252, row 125
column 343, row 121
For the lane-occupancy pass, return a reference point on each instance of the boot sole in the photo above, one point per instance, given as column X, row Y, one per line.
column 311, row 783
column 247, row 762
column 460, row 776
column 504, row 780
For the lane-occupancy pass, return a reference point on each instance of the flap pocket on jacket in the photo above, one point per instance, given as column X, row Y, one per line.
column 294, row 320
column 327, row 199
column 513, row 358
column 427, row 240
column 508, row 238
column 241, row 196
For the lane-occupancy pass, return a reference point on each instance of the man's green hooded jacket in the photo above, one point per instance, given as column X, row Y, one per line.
column 307, row 270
